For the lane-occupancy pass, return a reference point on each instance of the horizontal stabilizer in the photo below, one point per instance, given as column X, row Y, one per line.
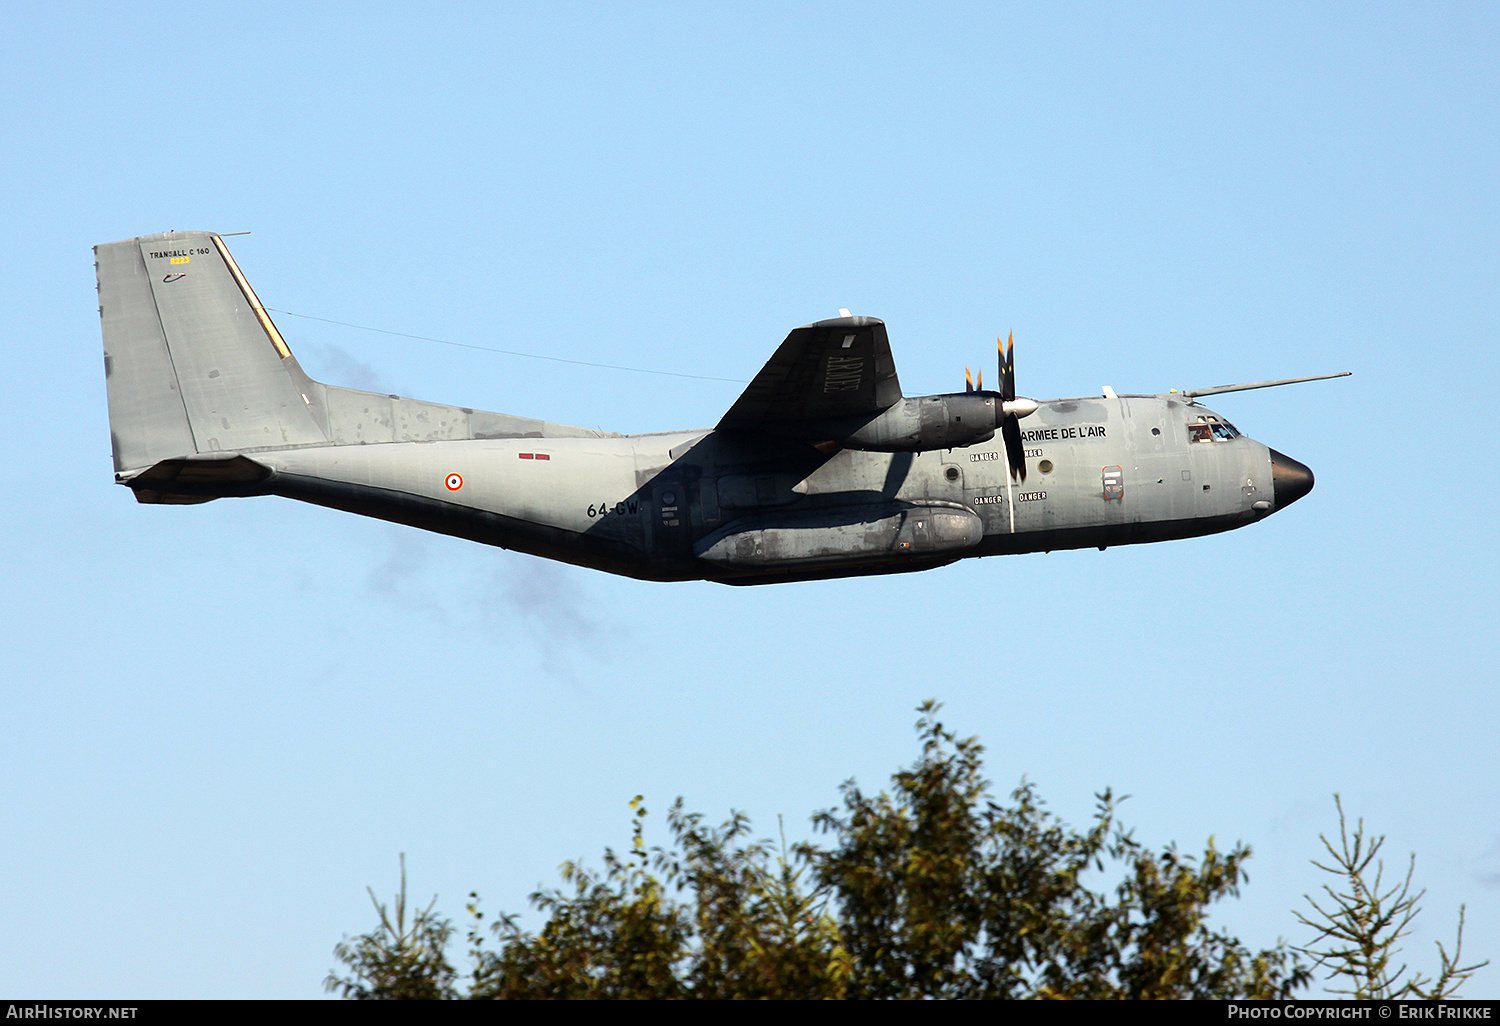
column 198, row 479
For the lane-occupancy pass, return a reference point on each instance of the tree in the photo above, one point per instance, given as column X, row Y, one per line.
column 1359, row 928
column 931, row 889
column 394, row 963
column 747, row 930
column 942, row 892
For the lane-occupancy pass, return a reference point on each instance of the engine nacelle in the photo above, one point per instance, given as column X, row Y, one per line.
column 930, row 422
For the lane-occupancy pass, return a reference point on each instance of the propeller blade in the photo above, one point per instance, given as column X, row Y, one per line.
column 1008, row 412
column 968, row 381
column 1000, row 348
column 1007, row 367
column 1010, row 431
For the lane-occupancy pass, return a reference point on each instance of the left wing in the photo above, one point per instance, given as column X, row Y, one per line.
column 831, row 370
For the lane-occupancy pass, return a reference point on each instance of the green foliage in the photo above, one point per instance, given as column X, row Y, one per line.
column 930, row 889
column 396, row 963
column 747, row 929
column 617, row 935
column 943, row 892
column 1360, row 926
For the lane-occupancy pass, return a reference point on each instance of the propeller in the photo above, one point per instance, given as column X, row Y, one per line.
column 1010, row 409
column 1010, row 422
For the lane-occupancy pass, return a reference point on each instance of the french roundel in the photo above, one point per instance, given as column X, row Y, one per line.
column 454, row 482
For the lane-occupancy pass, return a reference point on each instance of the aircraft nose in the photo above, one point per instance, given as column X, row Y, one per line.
column 1290, row 480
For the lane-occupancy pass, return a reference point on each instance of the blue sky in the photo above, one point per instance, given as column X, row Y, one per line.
column 220, row 723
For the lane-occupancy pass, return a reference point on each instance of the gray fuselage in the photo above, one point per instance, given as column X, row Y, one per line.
column 706, row 505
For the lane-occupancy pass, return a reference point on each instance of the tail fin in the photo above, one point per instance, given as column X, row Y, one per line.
column 194, row 367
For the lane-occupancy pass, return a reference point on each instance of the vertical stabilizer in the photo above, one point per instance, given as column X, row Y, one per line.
column 192, row 361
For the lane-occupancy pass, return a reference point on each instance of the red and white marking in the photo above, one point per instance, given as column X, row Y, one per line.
column 454, row 482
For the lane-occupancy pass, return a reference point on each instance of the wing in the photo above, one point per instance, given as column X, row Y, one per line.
column 830, row 370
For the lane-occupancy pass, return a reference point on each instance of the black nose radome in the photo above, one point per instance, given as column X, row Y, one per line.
column 1290, row 480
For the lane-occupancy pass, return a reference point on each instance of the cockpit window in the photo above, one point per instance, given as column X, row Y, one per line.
column 1211, row 429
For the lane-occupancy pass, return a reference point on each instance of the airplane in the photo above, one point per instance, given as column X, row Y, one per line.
column 821, row 469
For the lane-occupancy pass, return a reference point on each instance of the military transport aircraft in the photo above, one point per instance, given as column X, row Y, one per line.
column 822, row 468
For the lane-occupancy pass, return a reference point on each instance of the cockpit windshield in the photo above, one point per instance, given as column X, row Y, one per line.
column 1211, row 429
